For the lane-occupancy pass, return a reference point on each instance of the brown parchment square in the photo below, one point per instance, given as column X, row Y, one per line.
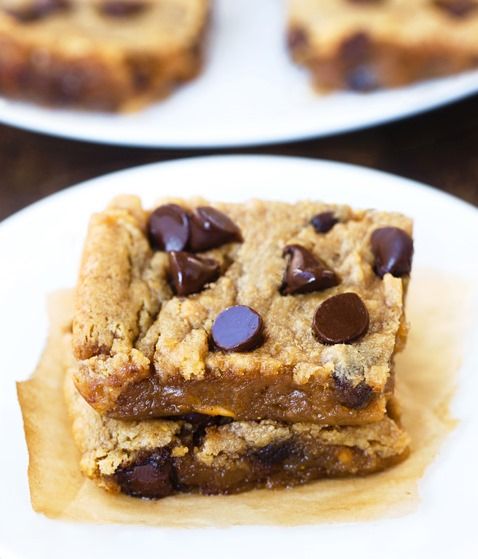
column 426, row 377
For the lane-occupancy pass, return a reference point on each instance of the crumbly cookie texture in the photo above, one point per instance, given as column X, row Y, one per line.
column 156, row 458
column 109, row 55
column 143, row 352
column 364, row 45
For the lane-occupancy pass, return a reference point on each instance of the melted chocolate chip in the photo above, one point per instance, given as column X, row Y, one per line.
column 457, row 8
column 392, row 248
column 190, row 273
column 151, row 477
column 238, row 328
column 211, row 228
column 275, row 453
column 305, row 273
column 352, row 396
column 324, row 222
column 38, row 9
column 168, row 228
column 341, row 319
column 122, row 8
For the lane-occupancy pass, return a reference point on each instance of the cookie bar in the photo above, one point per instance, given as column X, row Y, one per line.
column 214, row 455
column 109, row 55
column 364, row 45
column 261, row 310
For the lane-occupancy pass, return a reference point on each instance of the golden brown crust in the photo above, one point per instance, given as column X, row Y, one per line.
column 363, row 46
column 128, row 324
column 102, row 63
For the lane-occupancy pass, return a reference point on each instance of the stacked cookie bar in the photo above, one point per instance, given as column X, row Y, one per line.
column 221, row 347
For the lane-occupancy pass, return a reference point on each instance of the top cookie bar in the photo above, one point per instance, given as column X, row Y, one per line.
column 369, row 44
column 261, row 310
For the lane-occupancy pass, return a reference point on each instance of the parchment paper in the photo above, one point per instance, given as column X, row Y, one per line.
column 426, row 374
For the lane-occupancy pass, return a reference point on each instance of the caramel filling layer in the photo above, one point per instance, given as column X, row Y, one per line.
column 248, row 399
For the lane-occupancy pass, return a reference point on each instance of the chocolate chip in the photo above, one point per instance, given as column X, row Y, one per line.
column 341, row 319
column 356, row 396
column 211, row 228
column 38, row 9
column 238, row 328
column 275, row 453
column 392, row 248
column 362, row 78
column 305, row 273
column 190, row 273
column 324, row 222
column 356, row 56
column 297, row 39
column 356, row 49
column 169, row 228
column 122, row 8
column 457, row 8
column 151, row 477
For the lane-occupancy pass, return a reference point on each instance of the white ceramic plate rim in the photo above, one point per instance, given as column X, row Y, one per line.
column 445, row 516
column 13, row 113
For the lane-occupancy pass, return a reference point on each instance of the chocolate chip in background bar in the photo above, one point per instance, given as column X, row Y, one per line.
column 238, row 328
column 297, row 39
column 392, row 248
column 356, row 56
column 35, row 10
column 305, row 273
column 341, row 319
column 189, row 273
column 122, row 8
column 323, row 222
column 211, row 228
column 168, row 228
column 457, row 8
column 151, row 477
column 355, row 49
column 363, row 78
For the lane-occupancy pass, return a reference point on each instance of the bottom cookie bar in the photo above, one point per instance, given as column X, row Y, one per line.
column 212, row 455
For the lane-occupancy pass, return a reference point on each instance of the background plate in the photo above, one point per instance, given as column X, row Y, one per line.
column 39, row 251
column 250, row 93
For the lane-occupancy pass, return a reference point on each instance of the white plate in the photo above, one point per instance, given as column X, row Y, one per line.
column 39, row 253
column 250, row 93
